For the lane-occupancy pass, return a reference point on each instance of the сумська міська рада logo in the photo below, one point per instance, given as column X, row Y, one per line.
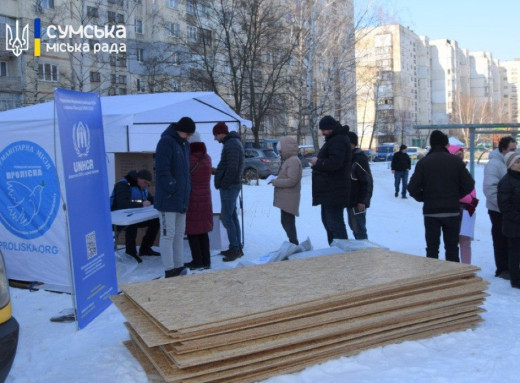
column 16, row 42
column 29, row 189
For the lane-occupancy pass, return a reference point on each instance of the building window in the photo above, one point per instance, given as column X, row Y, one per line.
column 176, row 58
column 3, row 69
column 205, row 36
column 95, row 77
column 118, row 60
column 122, row 79
column 47, row 3
column 140, row 55
column 118, row 2
column 190, row 7
column 173, row 4
column 173, row 29
column 139, row 26
column 140, row 86
column 191, row 34
column 48, row 72
column 92, row 12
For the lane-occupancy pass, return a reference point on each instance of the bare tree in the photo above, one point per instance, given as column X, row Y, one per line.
column 243, row 50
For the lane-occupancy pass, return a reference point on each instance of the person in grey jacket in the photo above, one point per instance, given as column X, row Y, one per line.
column 228, row 180
column 287, row 186
column 173, row 188
column 493, row 172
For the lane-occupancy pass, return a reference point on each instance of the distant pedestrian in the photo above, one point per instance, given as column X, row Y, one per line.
column 172, row 169
column 287, row 186
column 361, row 186
column 331, row 177
column 440, row 180
column 494, row 171
column 228, row 180
column 509, row 204
column 401, row 165
column 468, row 204
column 199, row 217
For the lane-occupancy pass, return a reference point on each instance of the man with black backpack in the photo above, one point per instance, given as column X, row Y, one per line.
column 132, row 192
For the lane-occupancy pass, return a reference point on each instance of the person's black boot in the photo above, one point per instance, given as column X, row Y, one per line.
column 178, row 271
column 235, row 253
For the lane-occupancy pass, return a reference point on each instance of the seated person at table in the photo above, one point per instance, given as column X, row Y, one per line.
column 132, row 192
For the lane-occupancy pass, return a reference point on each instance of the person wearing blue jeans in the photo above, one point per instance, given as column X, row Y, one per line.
column 228, row 179
column 229, row 216
column 401, row 164
column 333, row 221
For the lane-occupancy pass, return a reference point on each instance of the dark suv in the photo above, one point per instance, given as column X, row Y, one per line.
column 8, row 325
column 261, row 163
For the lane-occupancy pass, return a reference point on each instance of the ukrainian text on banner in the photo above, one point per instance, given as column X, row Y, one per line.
column 85, row 176
column 32, row 223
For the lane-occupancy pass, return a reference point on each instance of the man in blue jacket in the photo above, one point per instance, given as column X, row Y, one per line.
column 132, row 192
column 173, row 187
column 228, row 179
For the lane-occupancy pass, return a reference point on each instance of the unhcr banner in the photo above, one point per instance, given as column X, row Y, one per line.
column 87, row 202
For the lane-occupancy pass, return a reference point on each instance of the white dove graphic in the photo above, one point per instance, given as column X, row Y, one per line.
column 27, row 202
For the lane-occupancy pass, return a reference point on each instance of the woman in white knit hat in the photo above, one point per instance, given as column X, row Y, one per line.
column 509, row 205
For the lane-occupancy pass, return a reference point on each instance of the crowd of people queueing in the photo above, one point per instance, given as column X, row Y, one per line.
column 341, row 179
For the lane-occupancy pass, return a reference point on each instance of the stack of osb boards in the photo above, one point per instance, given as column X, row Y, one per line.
column 247, row 324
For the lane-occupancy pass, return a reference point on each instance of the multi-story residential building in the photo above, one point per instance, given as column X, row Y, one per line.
column 392, row 63
column 512, row 86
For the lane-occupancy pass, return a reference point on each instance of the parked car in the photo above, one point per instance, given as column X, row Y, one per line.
column 385, row 152
column 304, row 153
column 261, row 163
column 371, row 154
column 9, row 327
column 415, row 153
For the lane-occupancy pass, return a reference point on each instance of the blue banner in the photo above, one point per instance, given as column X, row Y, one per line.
column 84, row 172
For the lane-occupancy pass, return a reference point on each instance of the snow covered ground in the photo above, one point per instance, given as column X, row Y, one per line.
column 56, row 352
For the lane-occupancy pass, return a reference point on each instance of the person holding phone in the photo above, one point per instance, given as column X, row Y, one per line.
column 361, row 186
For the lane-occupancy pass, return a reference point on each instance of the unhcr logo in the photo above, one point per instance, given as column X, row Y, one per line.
column 17, row 42
column 81, row 139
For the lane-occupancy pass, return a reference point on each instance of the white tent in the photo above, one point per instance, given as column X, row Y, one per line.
column 131, row 123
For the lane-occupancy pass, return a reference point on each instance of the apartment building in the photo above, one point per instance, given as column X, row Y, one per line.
column 156, row 55
column 392, row 64
column 511, row 86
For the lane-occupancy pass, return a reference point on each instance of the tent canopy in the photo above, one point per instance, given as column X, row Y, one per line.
column 144, row 109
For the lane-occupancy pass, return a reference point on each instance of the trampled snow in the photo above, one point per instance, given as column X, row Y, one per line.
column 56, row 352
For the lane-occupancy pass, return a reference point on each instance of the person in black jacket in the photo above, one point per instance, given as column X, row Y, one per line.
column 401, row 165
column 331, row 177
column 361, row 186
column 509, row 204
column 132, row 192
column 228, row 180
column 440, row 180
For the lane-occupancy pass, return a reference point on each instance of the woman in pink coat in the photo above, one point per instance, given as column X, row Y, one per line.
column 468, row 204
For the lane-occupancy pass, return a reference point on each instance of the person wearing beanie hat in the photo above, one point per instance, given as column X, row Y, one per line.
column 132, row 192
column 228, row 180
column 511, row 158
column 494, row 171
column 401, row 165
column 438, row 138
column 186, row 125
column 361, row 186
column 330, row 178
column 508, row 199
column 220, row 128
column 173, row 188
column 440, row 180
